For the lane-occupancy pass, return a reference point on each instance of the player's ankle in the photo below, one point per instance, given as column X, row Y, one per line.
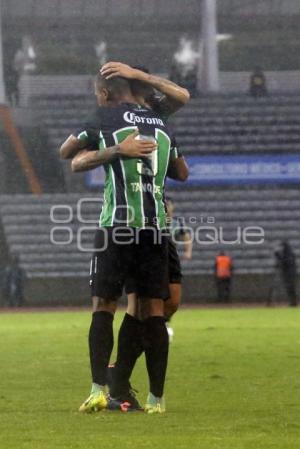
column 96, row 388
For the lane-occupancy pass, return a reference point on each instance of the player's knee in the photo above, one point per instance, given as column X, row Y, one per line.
column 172, row 304
column 152, row 307
column 104, row 305
column 132, row 306
column 170, row 309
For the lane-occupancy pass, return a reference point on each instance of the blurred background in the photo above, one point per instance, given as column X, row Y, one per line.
column 240, row 134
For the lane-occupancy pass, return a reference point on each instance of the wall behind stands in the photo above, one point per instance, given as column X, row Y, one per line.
column 197, row 289
column 105, row 8
column 97, row 8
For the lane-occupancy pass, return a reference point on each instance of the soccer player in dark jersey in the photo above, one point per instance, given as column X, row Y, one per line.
column 120, row 388
column 142, row 93
column 137, row 186
column 178, row 169
column 142, row 85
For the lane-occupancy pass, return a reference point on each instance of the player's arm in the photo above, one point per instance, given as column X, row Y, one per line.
column 87, row 160
column 175, row 96
column 178, row 169
column 87, row 137
column 129, row 147
column 71, row 146
column 186, row 239
column 188, row 245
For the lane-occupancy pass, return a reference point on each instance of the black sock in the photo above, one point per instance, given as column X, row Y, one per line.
column 156, row 351
column 130, row 347
column 101, row 341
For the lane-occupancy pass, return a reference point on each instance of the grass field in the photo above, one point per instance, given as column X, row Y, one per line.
column 233, row 383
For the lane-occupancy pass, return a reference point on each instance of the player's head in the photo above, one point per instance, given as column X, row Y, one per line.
column 111, row 91
column 142, row 92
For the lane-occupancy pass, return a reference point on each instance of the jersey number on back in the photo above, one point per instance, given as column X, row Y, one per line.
column 149, row 165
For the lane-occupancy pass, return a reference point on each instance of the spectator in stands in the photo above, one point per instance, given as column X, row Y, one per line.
column 285, row 262
column 13, row 283
column 258, row 84
column 223, row 276
column 24, row 63
column 184, row 66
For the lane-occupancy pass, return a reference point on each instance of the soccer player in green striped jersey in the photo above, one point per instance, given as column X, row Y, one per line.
column 153, row 167
column 133, row 200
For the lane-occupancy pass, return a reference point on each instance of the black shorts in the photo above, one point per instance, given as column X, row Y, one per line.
column 175, row 273
column 120, row 254
column 174, row 270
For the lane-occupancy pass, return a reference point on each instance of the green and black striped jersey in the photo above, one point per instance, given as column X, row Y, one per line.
column 134, row 188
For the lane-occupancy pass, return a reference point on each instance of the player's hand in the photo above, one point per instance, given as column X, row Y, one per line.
column 112, row 69
column 131, row 147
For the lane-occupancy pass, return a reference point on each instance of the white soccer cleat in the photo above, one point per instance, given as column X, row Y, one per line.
column 170, row 333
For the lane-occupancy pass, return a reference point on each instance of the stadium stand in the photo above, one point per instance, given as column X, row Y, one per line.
column 27, row 226
column 220, row 124
column 223, row 124
column 240, row 124
column 159, row 24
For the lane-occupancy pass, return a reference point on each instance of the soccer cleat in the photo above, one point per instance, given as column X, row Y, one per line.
column 170, row 333
column 155, row 405
column 126, row 403
column 94, row 403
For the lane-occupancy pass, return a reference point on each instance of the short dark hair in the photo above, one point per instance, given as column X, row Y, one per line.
column 117, row 86
column 141, row 89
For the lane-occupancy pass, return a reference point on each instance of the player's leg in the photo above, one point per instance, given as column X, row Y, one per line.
column 175, row 291
column 175, row 288
column 130, row 347
column 132, row 303
column 152, row 289
column 156, row 352
column 132, row 330
column 172, row 304
column 131, row 343
column 106, row 286
column 100, row 347
column 151, row 277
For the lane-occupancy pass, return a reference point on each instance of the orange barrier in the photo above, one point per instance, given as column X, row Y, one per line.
column 21, row 153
